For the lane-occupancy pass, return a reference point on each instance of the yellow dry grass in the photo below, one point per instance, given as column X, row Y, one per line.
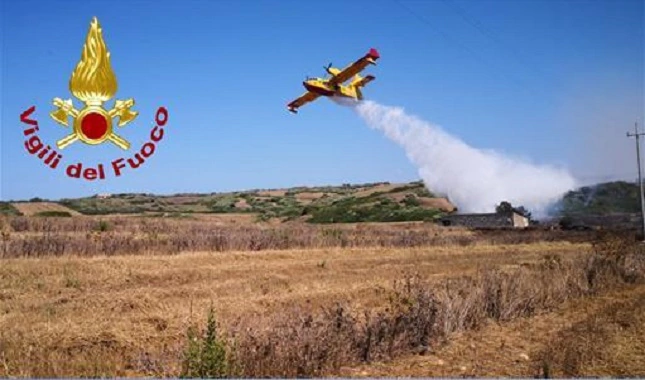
column 599, row 344
column 272, row 193
column 308, row 196
column 378, row 188
column 228, row 218
column 32, row 208
column 106, row 311
column 184, row 199
column 442, row 204
column 242, row 204
column 438, row 203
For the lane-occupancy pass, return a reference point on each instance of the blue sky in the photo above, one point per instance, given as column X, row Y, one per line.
column 555, row 82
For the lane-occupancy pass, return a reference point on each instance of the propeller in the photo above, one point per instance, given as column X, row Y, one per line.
column 327, row 68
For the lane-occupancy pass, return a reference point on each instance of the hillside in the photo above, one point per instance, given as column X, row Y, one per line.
column 374, row 202
column 371, row 202
column 602, row 199
column 44, row 209
column 7, row 208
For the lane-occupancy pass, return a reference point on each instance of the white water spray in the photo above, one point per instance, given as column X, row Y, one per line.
column 473, row 179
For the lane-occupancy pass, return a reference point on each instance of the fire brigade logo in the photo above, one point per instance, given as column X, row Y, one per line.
column 94, row 83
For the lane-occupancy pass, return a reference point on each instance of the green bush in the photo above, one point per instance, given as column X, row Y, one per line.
column 205, row 355
column 223, row 204
column 7, row 208
column 53, row 214
column 604, row 198
column 354, row 210
column 102, row 226
column 411, row 201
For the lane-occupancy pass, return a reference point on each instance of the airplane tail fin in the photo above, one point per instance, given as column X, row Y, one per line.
column 359, row 82
column 359, row 93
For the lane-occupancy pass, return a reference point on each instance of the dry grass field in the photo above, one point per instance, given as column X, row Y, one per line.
column 298, row 301
column 33, row 208
column 384, row 188
column 602, row 336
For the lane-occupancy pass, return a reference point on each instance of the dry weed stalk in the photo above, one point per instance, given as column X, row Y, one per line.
column 421, row 315
column 43, row 236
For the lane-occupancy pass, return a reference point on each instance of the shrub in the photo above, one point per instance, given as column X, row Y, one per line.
column 53, row 214
column 205, row 355
column 420, row 314
column 7, row 208
column 411, row 201
column 102, row 226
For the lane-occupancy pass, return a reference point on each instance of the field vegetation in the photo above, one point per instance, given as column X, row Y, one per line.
column 603, row 198
column 309, row 281
column 109, row 236
column 38, row 207
column 7, row 208
column 371, row 202
column 199, row 297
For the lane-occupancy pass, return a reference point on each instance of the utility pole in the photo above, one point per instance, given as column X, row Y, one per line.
column 637, row 135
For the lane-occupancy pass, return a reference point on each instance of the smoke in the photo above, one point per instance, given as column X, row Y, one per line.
column 473, row 179
column 345, row 101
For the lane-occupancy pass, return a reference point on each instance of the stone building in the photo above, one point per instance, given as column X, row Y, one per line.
column 499, row 219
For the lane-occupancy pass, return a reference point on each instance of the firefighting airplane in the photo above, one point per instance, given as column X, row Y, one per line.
column 333, row 86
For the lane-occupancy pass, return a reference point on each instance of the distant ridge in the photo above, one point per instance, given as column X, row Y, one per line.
column 366, row 202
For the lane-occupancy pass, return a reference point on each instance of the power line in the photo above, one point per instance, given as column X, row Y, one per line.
column 496, row 69
column 427, row 22
column 487, row 32
column 637, row 135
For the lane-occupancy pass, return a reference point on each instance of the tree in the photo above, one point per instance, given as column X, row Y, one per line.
column 504, row 208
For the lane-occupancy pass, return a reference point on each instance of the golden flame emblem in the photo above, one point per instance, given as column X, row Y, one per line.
column 93, row 82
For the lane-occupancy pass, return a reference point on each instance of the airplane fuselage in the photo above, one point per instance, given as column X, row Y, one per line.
column 322, row 87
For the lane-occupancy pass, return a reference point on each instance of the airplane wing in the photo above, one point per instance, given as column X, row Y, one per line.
column 355, row 68
column 305, row 98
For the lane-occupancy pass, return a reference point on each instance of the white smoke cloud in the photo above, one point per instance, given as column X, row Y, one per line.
column 475, row 180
